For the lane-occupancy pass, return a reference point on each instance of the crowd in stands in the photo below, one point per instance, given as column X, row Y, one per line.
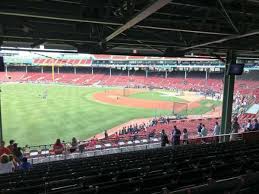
column 12, row 158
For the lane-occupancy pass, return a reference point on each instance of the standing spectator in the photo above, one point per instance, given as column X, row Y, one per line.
column 3, row 149
column 199, row 127
column 74, row 145
column 17, row 152
column 216, row 132
column 234, row 129
column 58, row 147
column 204, row 131
column 10, row 146
column 25, row 165
column 249, row 126
column 256, row 125
column 185, row 136
column 176, row 134
column 105, row 134
column 164, row 139
column 6, row 166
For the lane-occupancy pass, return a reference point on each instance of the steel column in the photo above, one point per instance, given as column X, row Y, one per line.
column 229, row 82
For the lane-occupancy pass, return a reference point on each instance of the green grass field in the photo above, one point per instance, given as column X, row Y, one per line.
column 156, row 95
column 67, row 111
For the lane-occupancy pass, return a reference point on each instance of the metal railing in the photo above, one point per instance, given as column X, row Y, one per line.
column 46, row 155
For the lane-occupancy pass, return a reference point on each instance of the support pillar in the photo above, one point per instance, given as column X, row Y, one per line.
column 128, row 73
column 26, row 69
column 166, row 74
column 185, row 74
column 146, row 73
column 206, row 76
column 229, row 82
column 92, row 70
column 42, row 69
column 58, row 69
column 110, row 71
column 74, row 70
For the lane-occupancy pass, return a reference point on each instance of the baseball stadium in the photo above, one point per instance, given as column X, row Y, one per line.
column 129, row 97
column 100, row 101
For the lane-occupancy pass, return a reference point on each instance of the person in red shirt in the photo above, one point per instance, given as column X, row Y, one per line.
column 11, row 146
column 58, row 147
column 3, row 149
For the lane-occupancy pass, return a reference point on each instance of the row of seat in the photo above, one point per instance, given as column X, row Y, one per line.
column 146, row 171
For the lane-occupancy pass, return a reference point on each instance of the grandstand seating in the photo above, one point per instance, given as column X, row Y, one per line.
column 182, row 169
column 102, row 77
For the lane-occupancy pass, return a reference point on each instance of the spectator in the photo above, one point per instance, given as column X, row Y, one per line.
column 234, row 129
column 176, row 134
column 15, row 164
column 58, row 147
column 3, row 149
column 6, row 166
column 199, row 128
column 249, row 126
column 216, row 132
column 10, row 146
column 17, row 152
column 74, row 145
column 256, row 125
column 204, row 131
column 105, row 134
column 164, row 139
column 25, row 165
column 185, row 136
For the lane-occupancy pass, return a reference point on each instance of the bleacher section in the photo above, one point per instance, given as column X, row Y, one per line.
column 214, row 168
column 102, row 77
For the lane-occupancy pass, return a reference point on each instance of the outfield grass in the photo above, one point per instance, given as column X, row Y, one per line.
column 66, row 112
column 205, row 106
column 156, row 96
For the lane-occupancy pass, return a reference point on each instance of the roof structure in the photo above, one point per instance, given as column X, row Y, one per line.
column 133, row 27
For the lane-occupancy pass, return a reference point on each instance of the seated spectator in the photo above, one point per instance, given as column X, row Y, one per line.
column 185, row 136
column 249, row 126
column 10, row 146
column 256, row 125
column 3, row 149
column 25, row 165
column 74, row 145
column 17, row 152
column 58, row 147
column 116, row 137
column 15, row 163
column 164, row 138
column 6, row 166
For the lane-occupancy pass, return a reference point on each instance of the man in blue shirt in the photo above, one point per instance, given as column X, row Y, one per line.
column 25, row 165
column 256, row 125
